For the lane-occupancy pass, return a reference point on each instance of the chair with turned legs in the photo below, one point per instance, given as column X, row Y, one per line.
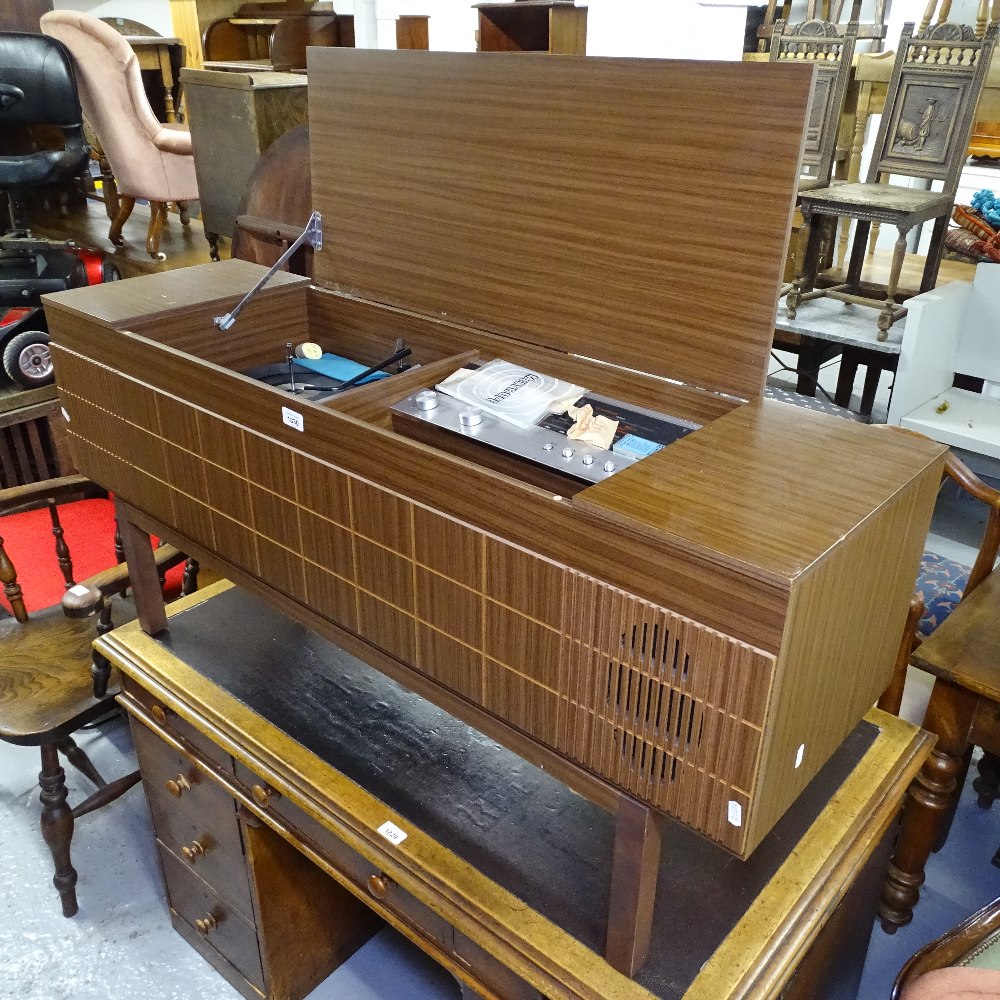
column 149, row 160
column 47, row 672
column 929, row 110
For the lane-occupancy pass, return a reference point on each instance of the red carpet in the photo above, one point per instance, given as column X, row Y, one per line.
column 89, row 527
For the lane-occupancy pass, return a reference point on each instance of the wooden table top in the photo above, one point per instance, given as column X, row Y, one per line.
column 965, row 648
column 356, row 749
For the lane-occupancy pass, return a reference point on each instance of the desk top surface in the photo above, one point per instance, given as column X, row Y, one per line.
column 518, row 828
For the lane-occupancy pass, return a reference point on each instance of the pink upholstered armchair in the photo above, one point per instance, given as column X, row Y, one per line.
column 149, row 160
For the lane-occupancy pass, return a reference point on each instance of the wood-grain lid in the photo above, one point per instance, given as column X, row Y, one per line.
column 633, row 211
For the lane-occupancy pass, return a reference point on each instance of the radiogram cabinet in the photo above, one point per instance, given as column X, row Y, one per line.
column 696, row 633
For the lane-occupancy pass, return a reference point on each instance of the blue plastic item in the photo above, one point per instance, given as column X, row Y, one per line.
column 334, row 366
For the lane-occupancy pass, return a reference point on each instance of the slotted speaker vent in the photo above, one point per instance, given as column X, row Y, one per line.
column 667, row 708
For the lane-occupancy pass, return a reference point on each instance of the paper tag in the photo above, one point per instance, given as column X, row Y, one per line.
column 392, row 833
column 293, row 419
column 65, row 414
column 79, row 590
column 799, row 754
column 735, row 813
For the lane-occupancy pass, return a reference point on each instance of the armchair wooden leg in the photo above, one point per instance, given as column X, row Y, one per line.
column 57, row 826
column 79, row 759
column 184, row 213
column 189, row 582
column 157, row 220
column 125, row 206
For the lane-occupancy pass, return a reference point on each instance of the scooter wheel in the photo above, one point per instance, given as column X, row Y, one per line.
column 27, row 361
column 109, row 271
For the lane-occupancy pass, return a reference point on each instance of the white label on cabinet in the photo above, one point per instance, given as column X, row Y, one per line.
column 65, row 414
column 292, row 418
column 392, row 833
column 735, row 813
column 79, row 590
column 799, row 754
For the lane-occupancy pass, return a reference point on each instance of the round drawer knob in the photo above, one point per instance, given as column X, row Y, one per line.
column 264, row 795
column 178, row 786
column 206, row 924
column 159, row 714
column 193, row 851
column 379, row 885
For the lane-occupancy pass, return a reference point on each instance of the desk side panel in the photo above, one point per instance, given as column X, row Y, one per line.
column 844, row 627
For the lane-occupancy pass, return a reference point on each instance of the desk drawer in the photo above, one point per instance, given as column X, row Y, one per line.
column 199, row 825
column 213, row 919
column 345, row 859
column 176, row 726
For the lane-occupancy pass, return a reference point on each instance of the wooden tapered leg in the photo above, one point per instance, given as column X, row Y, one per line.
column 949, row 716
column 157, row 220
column 125, row 205
column 636, row 864
column 57, row 826
column 143, row 573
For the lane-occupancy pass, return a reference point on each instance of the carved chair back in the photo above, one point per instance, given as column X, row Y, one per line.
column 820, row 44
column 931, row 103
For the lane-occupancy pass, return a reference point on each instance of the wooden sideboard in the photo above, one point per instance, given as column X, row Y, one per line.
column 271, row 804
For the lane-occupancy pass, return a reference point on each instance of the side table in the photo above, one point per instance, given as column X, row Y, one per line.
column 964, row 710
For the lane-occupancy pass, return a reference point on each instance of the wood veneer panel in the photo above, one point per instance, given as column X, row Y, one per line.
column 804, row 482
column 362, row 329
column 471, row 195
column 842, row 633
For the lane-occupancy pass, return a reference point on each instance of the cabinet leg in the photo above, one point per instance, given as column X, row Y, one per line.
column 636, row 864
column 57, row 826
column 144, row 575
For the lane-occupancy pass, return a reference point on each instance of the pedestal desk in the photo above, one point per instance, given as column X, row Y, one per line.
column 336, row 778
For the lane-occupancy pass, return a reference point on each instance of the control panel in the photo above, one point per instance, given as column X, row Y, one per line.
column 546, row 444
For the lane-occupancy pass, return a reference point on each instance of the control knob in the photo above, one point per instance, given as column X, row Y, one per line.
column 609, row 466
column 588, row 459
column 426, row 399
column 567, row 453
column 471, row 417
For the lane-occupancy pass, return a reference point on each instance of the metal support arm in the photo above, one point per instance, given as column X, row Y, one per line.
column 312, row 234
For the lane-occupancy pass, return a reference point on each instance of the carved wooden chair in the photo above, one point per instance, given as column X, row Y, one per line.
column 827, row 10
column 47, row 674
column 924, row 133
column 964, row 962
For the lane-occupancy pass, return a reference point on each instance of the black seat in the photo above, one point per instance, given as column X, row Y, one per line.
column 37, row 87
